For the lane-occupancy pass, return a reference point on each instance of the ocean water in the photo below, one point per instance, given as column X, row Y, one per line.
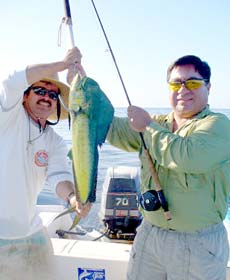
column 109, row 156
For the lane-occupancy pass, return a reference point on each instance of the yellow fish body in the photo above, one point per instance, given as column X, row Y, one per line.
column 91, row 114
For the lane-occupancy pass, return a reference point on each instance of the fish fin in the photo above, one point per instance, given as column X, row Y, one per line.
column 70, row 154
column 105, row 118
column 69, row 121
column 92, row 194
column 75, row 222
column 70, row 210
column 77, row 193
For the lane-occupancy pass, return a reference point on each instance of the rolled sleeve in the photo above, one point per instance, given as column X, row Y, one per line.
column 12, row 89
column 122, row 136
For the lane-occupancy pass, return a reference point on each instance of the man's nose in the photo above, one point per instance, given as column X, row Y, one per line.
column 46, row 96
column 183, row 89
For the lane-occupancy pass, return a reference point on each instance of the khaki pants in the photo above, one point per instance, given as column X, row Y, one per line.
column 159, row 254
column 27, row 259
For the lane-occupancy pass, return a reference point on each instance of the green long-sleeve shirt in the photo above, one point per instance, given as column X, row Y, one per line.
column 193, row 165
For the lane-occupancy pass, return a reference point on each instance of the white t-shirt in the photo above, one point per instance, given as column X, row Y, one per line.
column 27, row 157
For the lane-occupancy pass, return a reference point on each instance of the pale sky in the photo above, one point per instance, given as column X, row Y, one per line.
column 145, row 35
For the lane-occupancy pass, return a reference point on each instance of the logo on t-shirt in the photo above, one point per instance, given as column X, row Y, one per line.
column 41, row 158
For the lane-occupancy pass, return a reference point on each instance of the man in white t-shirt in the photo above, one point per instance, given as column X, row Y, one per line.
column 31, row 152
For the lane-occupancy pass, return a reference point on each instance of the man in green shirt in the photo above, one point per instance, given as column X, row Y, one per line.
column 191, row 155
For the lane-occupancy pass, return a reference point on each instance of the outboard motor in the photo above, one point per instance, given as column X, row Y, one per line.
column 119, row 207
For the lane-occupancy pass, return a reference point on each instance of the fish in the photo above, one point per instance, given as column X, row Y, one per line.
column 91, row 114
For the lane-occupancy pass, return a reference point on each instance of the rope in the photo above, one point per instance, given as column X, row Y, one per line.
column 59, row 41
column 61, row 233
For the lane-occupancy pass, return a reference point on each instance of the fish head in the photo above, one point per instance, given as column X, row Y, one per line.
column 77, row 99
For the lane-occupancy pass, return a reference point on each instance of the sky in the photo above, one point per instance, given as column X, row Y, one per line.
column 145, row 36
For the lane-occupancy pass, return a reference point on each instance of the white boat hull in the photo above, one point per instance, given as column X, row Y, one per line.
column 74, row 259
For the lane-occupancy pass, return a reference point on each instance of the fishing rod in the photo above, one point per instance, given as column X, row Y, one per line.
column 152, row 169
column 68, row 21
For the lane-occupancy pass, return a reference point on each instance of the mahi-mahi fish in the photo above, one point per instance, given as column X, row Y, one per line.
column 91, row 114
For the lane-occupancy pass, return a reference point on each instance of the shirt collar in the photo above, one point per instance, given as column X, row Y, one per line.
column 200, row 115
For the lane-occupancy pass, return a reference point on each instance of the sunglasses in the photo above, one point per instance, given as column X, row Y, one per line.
column 43, row 91
column 190, row 84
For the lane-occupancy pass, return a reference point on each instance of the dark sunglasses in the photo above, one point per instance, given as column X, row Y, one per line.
column 43, row 91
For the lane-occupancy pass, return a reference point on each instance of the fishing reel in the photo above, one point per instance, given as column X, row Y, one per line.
column 149, row 201
column 153, row 200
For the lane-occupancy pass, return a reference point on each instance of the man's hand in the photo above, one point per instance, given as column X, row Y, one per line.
column 65, row 190
column 73, row 63
column 73, row 70
column 82, row 210
column 72, row 57
column 138, row 118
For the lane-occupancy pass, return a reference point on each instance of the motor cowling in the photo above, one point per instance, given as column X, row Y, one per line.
column 120, row 196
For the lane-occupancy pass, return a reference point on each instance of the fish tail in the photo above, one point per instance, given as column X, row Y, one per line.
column 75, row 222
column 70, row 210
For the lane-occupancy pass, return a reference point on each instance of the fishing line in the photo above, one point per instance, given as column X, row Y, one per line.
column 115, row 62
column 159, row 190
column 112, row 54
